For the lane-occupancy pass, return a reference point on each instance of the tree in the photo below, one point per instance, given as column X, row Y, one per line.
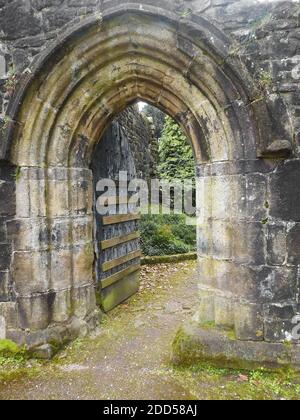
column 176, row 159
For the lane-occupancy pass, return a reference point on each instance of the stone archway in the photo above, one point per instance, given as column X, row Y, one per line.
column 183, row 66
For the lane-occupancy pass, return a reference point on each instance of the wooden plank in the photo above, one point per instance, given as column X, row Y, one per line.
column 122, row 260
column 109, row 243
column 109, row 281
column 119, row 218
column 113, row 201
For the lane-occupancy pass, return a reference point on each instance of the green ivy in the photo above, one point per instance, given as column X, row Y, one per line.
column 176, row 159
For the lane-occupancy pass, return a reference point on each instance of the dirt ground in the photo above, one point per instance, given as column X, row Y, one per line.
column 128, row 358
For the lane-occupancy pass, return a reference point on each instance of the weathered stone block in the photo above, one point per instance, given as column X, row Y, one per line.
column 276, row 243
column 193, row 345
column 293, row 245
column 256, row 197
column 224, row 312
column 264, row 283
column 277, row 284
column 5, row 256
column 206, row 311
column 2, row 328
column 204, row 238
column 248, row 243
column 84, row 300
column 248, row 322
column 7, row 198
column 3, row 232
column 83, row 261
column 281, row 311
column 36, row 311
column 31, row 272
column 17, row 20
column 4, row 286
column 61, row 269
column 285, row 192
column 9, row 311
column 228, row 195
column 82, row 230
column 82, row 196
column 278, row 330
column 58, row 198
column 2, row 66
column 29, row 234
column 31, row 193
column 17, row 336
column 62, row 306
column 219, row 235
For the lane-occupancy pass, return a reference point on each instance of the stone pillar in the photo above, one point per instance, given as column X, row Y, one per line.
column 232, row 243
column 52, row 261
column 248, row 264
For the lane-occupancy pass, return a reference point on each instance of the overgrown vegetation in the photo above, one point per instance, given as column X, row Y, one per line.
column 176, row 159
column 169, row 234
column 166, row 235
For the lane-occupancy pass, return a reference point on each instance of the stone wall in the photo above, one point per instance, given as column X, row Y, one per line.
column 228, row 72
column 129, row 143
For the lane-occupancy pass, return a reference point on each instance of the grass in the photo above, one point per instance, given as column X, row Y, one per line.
column 227, row 384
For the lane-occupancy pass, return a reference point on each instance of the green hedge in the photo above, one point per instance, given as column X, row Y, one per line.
column 166, row 235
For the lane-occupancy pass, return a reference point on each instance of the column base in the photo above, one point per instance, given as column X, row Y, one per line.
column 195, row 344
column 44, row 344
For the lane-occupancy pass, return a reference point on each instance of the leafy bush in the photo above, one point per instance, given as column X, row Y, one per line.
column 166, row 235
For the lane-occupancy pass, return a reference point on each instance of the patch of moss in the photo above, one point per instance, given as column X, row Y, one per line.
column 9, row 348
column 17, row 174
column 231, row 335
column 208, row 325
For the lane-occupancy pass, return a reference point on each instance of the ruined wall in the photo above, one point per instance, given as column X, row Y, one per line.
column 249, row 252
column 129, row 142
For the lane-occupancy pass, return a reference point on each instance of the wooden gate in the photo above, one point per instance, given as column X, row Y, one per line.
column 116, row 236
column 119, row 256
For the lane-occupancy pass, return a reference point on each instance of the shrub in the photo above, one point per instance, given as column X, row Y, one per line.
column 166, row 235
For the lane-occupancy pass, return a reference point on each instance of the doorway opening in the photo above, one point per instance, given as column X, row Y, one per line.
column 141, row 169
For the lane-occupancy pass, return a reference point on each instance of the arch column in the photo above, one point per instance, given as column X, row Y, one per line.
column 248, row 267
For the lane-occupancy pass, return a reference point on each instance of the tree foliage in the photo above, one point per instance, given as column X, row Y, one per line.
column 176, row 159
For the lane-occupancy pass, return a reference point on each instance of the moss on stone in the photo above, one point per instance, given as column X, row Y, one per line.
column 9, row 348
